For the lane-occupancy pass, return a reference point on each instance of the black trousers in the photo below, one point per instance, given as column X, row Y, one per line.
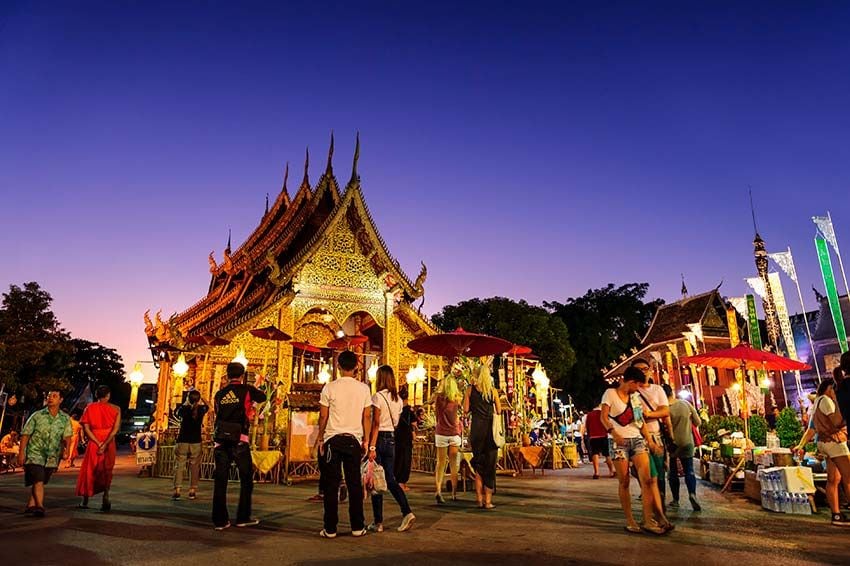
column 342, row 455
column 224, row 454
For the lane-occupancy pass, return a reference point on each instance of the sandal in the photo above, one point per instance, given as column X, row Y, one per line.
column 654, row 529
column 632, row 529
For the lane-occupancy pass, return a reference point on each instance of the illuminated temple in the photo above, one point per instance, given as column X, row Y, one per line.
column 315, row 268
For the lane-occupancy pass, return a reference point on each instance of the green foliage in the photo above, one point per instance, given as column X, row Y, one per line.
column 708, row 429
column 517, row 322
column 603, row 324
column 758, row 430
column 788, row 428
column 37, row 355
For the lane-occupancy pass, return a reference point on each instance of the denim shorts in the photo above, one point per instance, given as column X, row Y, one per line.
column 630, row 448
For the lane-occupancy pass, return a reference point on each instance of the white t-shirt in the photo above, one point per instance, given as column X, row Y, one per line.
column 616, row 407
column 390, row 410
column 657, row 398
column 345, row 399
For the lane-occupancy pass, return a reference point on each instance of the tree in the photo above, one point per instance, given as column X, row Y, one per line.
column 517, row 322
column 603, row 324
column 93, row 364
column 34, row 347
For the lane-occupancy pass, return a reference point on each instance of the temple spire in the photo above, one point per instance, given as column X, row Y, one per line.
column 329, row 168
column 267, row 203
column 354, row 176
column 305, row 182
column 684, row 288
column 227, row 248
column 285, row 178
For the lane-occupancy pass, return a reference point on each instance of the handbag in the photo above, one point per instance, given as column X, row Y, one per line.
column 697, row 435
column 498, row 430
column 373, row 477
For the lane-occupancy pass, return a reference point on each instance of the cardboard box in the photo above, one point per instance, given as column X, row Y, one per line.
column 752, row 486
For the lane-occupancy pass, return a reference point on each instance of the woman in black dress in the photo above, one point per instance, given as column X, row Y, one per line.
column 481, row 401
column 404, row 442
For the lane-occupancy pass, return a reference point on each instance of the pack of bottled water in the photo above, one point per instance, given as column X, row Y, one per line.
column 778, row 496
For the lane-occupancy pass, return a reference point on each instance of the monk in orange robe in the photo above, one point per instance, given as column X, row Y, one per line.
column 101, row 421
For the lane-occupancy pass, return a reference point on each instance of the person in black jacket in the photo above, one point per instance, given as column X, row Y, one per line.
column 232, row 444
column 404, row 441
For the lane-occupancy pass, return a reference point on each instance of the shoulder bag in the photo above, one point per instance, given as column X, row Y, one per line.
column 498, row 428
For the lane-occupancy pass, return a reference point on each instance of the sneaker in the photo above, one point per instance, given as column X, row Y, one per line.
column 253, row 521
column 222, row 527
column 359, row 533
column 325, row 534
column 375, row 528
column 840, row 520
column 696, row 506
column 193, row 495
column 407, row 522
column 175, row 496
column 674, row 504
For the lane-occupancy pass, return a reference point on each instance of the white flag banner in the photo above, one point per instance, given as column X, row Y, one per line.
column 696, row 328
column 757, row 284
column 656, row 356
column 786, row 263
column 824, row 224
column 740, row 305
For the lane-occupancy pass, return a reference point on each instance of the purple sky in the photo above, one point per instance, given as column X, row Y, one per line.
column 530, row 152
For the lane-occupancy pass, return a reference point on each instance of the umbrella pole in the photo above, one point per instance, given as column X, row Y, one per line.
column 744, row 405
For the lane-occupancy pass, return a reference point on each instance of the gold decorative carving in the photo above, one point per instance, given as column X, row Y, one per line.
column 149, row 330
column 213, row 264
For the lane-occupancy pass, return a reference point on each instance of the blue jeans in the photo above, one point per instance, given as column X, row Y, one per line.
column 690, row 478
column 385, row 456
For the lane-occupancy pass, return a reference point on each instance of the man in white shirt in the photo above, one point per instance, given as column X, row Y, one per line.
column 345, row 423
column 655, row 410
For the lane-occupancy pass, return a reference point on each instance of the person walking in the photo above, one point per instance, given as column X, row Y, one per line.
column 655, row 411
column 404, row 432
column 231, row 444
column 832, row 443
column 76, row 437
column 345, row 425
column 447, row 402
column 188, row 447
column 481, row 401
column 683, row 417
column 386, row 412
column 623, row 421
column 101, row 421
column 44, row 440
column 598, row 441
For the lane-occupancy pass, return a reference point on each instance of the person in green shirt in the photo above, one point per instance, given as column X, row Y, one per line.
column 44, row 442
column 682, row 415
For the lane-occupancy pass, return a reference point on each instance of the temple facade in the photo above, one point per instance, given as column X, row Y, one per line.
column 316, row 268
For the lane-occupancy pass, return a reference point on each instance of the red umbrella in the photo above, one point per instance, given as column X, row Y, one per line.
column 459, row 342
column 346, row 342
column 745, row 356
column 518, row 350
column 207, row 340
column 271, row 333
column 306, row 347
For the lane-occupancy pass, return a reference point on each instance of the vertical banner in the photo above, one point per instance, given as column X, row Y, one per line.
column 831, row 292
column 753, row 318
column 669, row 360
column 785, row 327
column 732, row 323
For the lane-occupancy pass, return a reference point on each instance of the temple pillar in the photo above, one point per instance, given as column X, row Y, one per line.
column 163, row 395
column 392, row 334
column 286, row 322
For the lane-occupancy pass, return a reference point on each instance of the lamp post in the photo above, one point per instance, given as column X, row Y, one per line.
column 136, row 379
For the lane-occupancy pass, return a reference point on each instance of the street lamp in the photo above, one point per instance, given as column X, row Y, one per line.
column 136, row 379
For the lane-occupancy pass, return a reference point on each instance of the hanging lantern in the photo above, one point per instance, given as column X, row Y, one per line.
column 180, row 367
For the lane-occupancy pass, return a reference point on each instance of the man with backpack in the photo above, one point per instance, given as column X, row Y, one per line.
column 232, row 444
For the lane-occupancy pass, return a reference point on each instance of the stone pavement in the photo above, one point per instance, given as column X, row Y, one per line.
column 564, row 517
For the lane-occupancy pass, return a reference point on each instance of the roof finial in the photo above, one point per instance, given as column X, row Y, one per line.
column 306, row 180
column 267, row 203
column 227, row 248
column 684, row 288
column 354, row 175
column 285, row 177
column 330, row 154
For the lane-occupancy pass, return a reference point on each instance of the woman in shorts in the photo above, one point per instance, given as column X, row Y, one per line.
column 624, row 423
column 447, row 440
column 832, row 443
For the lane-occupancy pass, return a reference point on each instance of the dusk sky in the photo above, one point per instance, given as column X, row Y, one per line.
column 528, row 150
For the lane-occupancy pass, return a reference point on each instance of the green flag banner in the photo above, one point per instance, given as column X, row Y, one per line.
column 752, row 316
column 831, row 292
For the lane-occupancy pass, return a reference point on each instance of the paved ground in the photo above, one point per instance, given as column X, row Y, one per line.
column 562, row 518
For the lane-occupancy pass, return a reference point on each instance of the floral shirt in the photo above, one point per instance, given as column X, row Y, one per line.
column 46, row 433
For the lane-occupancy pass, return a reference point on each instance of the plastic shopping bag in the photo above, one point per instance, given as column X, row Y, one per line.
column 374, row 479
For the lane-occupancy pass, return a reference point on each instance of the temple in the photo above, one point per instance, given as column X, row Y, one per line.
column 315, row 268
